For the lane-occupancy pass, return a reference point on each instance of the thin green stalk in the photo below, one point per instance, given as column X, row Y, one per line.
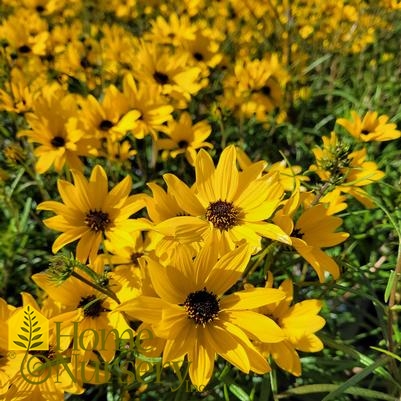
column 97, row 287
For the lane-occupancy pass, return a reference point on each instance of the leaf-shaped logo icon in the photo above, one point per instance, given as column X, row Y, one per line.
column 33, row 330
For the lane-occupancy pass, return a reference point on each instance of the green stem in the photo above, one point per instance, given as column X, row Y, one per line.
column 97, row 287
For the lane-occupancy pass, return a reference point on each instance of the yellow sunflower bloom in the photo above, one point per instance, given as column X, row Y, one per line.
column 291, row 319
column 56, row 127
column 371, row 128
column 184, row 138
column 226, row 206
column 151, row 106
column 86, row 312
column 89, row 213
column 161, row 207
column 313, row 230
column 198, row 321
column 178, row 81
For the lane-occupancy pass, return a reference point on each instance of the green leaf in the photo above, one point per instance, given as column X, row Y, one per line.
column 324, row 388
column 34, row 324
column 34, row 345
column 20, row 344
column 387, row 353
column 355, row 379
column 389, row 286
column 25, row 214
column 35, row 330
column 363, row 359
column 26, row 323
column 239, row 392
column 22, row 337
column 24, row 329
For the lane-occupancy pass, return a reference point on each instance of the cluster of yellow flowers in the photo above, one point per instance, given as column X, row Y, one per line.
column 174, row 261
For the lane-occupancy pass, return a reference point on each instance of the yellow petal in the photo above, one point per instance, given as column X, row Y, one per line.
column 251, row 298
column 204, row 170
column 170, row 284
column 271, row 231
column 226, row 272
column 256, row 325
column 226, row 175
column 185, row 197
column 201, row 357
column 227, row 346
column 286, row 357
column 147, row 309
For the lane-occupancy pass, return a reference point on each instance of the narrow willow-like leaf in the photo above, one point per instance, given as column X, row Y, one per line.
column 389, row 286
column 355, row 379
column 239, row 392
column 387, row 353
column 324, row 388
column 363, row 359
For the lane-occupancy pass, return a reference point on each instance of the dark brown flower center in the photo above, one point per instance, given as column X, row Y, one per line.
column 198, row 56
column 24, row 49
column 266, row 90
column 161, row 78
column 223, row 215
column 97, row 220
column 297, row 233
column 135, row 256
column 183, row 144
column 58, row 141
column 92, row 306
column 202, row 306
column 365, row 132
column 105, row 125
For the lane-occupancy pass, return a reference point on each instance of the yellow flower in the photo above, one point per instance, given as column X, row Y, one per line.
column 57, row 128
column 195, row 317
column 371, row 128
column 104, row 119
column 90, row 213
column 255, row 87
column 292, row 320
column 171, row 31
column 314, row 229
column 27, row 39
column 18, row 96
column 151, row 106
column 185, row 138
column 160, row 207
column 177, row 80
column 86, row 311
column 226, row 206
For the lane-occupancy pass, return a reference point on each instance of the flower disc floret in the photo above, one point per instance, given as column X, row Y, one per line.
column 97, row 220
column 202, row 306
column 223, row 215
